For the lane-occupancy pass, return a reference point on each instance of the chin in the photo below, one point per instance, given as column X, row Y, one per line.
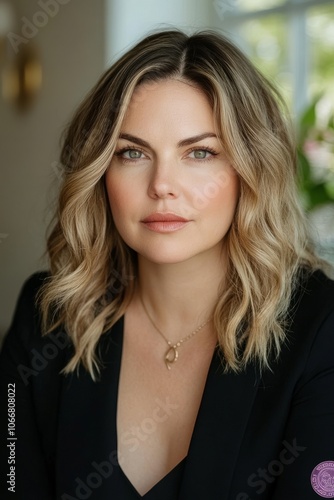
column 165, row 260
column 165, row 256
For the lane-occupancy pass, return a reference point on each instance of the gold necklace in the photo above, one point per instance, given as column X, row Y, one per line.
column 172, row 353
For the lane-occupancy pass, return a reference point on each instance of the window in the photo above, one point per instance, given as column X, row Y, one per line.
column 291, row 41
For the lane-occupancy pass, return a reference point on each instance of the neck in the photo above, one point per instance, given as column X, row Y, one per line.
column 181, row 294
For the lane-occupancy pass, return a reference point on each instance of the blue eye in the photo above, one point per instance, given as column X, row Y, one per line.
column 132, row 154
column 202, row 154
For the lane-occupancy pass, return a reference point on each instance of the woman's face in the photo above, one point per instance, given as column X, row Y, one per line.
column 171, row 190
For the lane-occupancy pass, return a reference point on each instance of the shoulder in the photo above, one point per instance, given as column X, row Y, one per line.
column 314, row 322
column 313, row 302
column 31, row 287
column 316, row 283
column 26, row 351
column 306, row 354
column 26, row 314
column 308, row 346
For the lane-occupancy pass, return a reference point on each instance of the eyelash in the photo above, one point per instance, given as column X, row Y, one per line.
column 207, row 150
column 120, row 152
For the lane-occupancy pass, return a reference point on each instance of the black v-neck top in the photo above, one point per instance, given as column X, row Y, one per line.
column 167, row 488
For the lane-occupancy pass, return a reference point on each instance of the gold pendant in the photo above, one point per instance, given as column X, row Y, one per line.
column 171, row 356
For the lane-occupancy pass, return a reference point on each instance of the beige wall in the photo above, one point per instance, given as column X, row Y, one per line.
column 71, row 46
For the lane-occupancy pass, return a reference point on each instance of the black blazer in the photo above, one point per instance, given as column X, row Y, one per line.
column 255, row 437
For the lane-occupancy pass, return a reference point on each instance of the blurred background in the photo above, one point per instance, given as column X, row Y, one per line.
column 53, row 51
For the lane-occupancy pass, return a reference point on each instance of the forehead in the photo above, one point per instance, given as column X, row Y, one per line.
column 169, row 103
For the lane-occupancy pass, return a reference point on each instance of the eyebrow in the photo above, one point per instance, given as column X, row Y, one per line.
column 184, row 142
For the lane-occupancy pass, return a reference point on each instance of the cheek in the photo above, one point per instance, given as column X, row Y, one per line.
column 225, row 204
column 219, row 193
column 223, row 208
column 232, row 192
column 118, row 195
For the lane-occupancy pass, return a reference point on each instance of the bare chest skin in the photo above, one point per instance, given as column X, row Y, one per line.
column 157, row 408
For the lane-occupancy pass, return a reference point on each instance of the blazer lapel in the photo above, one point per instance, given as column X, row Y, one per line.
column 221, row 421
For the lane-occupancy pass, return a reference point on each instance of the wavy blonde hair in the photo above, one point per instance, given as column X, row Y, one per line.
column 92, row 271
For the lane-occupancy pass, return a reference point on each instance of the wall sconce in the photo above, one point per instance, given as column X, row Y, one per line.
column 21, row 71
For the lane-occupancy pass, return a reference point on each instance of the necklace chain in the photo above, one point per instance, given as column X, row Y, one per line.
column 172, row 353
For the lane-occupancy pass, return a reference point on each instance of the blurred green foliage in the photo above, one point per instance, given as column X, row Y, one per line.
column 316, row 156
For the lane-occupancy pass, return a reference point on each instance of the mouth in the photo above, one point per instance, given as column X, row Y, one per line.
column 164, row 222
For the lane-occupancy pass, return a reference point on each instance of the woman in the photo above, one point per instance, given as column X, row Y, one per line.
column 181, row 345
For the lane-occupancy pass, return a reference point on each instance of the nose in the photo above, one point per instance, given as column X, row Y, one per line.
column 163, row 181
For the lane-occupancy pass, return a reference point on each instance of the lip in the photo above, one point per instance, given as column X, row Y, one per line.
column 164, row 217
column 163, row 222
